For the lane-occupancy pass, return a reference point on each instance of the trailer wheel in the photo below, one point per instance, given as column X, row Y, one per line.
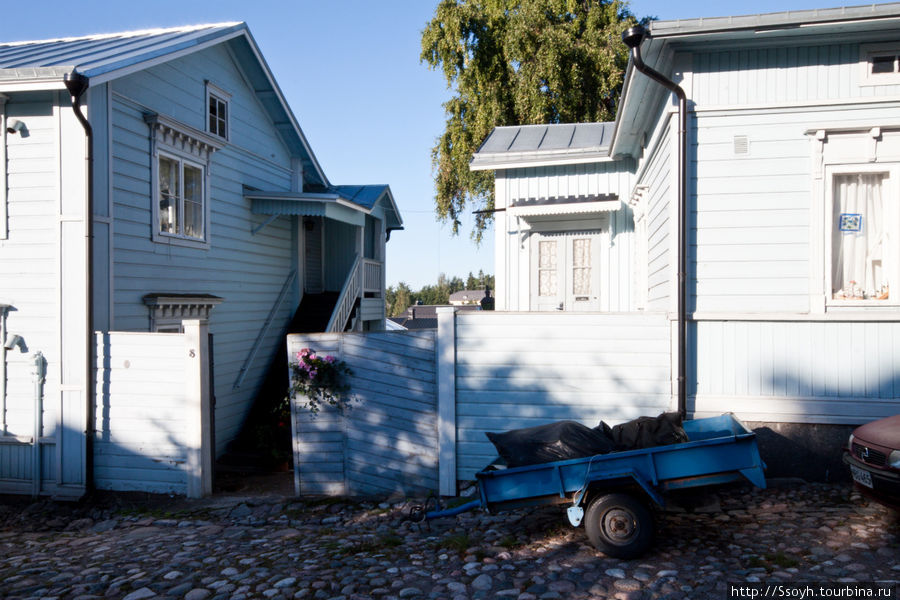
column 619, row 525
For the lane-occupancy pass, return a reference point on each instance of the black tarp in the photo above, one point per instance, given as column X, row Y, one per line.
column 568, row 439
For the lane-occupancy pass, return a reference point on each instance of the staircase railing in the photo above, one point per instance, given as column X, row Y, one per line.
column 372, row 277
column 349, row 293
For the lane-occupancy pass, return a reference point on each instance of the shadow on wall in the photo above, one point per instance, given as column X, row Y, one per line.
column 810, row 451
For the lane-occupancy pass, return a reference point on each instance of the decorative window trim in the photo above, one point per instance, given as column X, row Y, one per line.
column 892, row 173
column 842, row 150
column 214, row 91
column 868, row 52
column 167, row 311
column 178, row 141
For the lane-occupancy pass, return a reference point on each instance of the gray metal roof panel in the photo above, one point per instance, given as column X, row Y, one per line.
column 94, row 55
column 525, row 144
column 777, row 20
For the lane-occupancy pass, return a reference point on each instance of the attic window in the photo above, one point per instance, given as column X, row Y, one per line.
column 217, row 106
column 880, row 64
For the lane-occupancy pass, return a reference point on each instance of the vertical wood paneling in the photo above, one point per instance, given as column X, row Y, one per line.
column 387, row 441
column 521, row 370
column 141, row 426
column 803, row 372
column 562, row 181
column 777, row 75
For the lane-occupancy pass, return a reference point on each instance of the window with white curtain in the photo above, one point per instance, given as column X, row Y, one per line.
column 860, row 260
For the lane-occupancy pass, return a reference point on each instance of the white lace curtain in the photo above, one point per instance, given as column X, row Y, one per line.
column 859, row 261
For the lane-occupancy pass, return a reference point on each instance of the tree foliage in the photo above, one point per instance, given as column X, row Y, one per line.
column 398, row 299
column 517, row 62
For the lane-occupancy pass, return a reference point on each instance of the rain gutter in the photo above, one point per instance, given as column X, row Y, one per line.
column 77, row 84
column 633, row 38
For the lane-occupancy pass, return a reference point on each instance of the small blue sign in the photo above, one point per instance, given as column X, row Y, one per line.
column 850, row 222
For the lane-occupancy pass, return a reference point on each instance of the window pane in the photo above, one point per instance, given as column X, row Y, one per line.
column 547, row 275
column 882, row 64
column 217, row 116
column 168, row 195
column 858, row 258
column 547, row 283
column 193, row 201
column 581, row 266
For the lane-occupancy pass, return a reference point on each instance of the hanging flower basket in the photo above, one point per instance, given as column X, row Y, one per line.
column 322, row 381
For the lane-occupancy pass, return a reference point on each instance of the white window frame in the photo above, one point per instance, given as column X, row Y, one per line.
column 869, row 51
column 180, row 220
column 214, row 91
column 183, row 143
column 891, row 192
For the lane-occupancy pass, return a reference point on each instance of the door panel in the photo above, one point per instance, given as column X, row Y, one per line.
column 565, row 272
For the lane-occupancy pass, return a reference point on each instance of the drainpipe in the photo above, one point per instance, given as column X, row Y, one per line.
column 77, row 84
column 633, row 38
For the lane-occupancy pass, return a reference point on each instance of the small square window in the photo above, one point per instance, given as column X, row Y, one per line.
column 217, row 101
column 880, row 64
column 883, row 64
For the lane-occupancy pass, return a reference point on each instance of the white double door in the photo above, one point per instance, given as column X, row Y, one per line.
column 564, row 271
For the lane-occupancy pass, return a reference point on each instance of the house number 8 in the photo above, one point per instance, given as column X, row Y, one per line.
column 191, row 353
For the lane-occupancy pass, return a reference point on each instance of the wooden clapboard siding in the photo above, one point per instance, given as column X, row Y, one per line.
column 657, row 174
column 247, row 270
column 29, row 267
column 780, row 75
column 562, row 181
column 520, row 370
column 387, row 441
column 749, row 237
column 141, row 420
column 801, row 372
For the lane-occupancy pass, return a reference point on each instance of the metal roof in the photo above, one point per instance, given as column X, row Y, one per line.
column 347, row 203
column 41, row 64
column 814, row 20
column 96, row 55
column 538, row 145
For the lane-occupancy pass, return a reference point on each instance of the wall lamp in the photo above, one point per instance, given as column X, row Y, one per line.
column 14, row 340
column 16, row 126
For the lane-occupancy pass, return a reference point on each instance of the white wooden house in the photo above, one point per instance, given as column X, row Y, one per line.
column 205, row 209
column 791, row 222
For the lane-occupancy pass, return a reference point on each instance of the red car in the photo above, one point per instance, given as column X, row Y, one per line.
column 873, row 454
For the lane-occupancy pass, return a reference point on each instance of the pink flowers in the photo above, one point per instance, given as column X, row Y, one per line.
column 320, row 380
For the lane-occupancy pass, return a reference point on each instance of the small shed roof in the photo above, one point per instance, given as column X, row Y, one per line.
column 539, row 145
column 347, row 203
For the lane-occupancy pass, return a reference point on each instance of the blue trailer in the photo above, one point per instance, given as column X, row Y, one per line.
column 612, row 493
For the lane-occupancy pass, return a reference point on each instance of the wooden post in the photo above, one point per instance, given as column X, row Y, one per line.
column 446, row 382
column 197, row 405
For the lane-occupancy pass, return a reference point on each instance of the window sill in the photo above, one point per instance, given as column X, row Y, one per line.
column 175, row 240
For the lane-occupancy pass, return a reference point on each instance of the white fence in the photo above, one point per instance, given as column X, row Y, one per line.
column 153, row 416
column 387, row 440
column 426, row 399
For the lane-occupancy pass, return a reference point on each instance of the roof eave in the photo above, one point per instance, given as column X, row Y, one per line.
column 508, row 160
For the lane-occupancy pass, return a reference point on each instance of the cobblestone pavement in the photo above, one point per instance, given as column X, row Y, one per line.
column 279, row 547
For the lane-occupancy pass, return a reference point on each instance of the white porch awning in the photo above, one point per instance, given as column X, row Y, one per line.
column 582, row 205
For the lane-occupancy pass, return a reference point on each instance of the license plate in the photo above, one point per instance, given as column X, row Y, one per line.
column 860, row 476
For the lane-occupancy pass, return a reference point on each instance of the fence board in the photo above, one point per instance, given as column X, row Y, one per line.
column 388, row 438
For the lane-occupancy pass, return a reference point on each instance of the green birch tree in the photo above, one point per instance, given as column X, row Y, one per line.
column 517, row 62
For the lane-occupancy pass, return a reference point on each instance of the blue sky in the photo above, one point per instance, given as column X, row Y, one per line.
column 351, row 73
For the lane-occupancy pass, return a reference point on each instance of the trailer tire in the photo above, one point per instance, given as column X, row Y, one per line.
column 619, row 525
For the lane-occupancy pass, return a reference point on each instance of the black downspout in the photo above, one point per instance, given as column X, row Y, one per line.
column 77, row 84
column 633, row 38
